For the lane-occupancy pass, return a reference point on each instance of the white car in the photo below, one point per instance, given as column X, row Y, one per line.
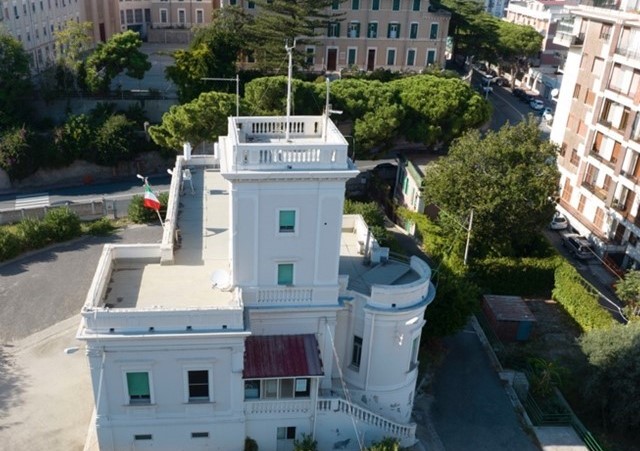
column 559, row 222
column 547, row 114
column 536, row 104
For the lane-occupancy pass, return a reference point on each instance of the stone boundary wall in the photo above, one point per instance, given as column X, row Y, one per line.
column 86, row 211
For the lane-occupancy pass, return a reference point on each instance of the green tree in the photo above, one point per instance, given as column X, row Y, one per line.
column 74, row 139
column 628, row 289
column 212, row 54
column 283, row 21
column 386, row 444
column 120, row 53
column 15, row 81
column 611, row 383
column 203, row 119
column 508, row 178
column 267, row 96
column 72, row 41
column 439, row 109
column 16, row 154
column 516, row 44
column 114, row 140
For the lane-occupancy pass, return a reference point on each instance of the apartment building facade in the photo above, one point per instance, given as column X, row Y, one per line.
column 34, row 22
column 597, row 126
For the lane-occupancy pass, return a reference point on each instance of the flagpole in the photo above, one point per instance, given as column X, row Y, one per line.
column 160, row 218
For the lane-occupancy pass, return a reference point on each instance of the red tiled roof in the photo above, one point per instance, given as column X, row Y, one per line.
column 281, row 356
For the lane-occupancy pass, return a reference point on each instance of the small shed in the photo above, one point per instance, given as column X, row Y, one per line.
column 509, row 317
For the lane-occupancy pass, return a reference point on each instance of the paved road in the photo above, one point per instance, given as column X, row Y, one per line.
column 43, row 288
column 471, row 410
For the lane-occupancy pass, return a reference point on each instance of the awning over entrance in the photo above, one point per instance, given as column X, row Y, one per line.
column 281, row 356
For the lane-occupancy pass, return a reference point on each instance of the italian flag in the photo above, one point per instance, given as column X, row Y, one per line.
column 150, row 199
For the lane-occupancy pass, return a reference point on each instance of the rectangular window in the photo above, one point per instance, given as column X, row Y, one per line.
column 252, row 389
column 287, row 221
column 163, row 16
column 567, row 190
column 303, row 388
column 355, row 5
column 286, row 388
column 431, row 57
column 285, row 274
column 182, row 16
column 199, row 15
column 199, row 435
column 356, row 353
column 251, row 5
column 413, row 31
column 311, row 52
column 335, row 4
column 198, row 381
column 351, row 56
column 605, row 31
column 138, row 388
column 416, row 5
column 270, row 388
column 138, row 15
column 375, row 5
column 415, row 347
column 576, row 91
column 581, row 203
column 393, row 32
column 411, row 57
column 396, row 5
column 143, row 437
column 354, row 29
column 574, row 159
column 372, row 31
column 286, row 433
column 391, row 57
column 333, row 30
column 433, row 31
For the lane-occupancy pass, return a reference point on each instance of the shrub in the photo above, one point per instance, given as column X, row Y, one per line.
column 250, row 444
column 577, row 300
column 306, row 444
column 101, row 227
column 140, row 214
column 10, row 245
column 62, row 224
column 516, row 276
column 386, row 444
column 33, row 233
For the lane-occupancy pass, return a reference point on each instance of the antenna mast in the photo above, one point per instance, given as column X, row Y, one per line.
column 289, row 76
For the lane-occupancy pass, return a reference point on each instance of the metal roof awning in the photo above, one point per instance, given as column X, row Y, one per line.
column 281, row 356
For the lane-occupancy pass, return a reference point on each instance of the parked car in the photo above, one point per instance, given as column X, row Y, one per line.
column 578, row 246
column 559, row 222
column 501, row 81
column 536, row 104
column 517, row 92
column 547, row 114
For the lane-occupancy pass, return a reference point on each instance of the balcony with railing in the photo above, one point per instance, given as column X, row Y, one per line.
column 566, row 36
column 599, row 192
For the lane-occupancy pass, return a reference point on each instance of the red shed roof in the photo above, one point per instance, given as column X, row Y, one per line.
column 281, row 356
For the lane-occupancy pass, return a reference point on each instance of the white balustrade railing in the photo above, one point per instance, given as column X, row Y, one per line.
column 303, row 406
column 401, row 431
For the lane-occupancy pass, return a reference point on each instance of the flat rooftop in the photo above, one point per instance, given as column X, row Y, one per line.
column 203, row 224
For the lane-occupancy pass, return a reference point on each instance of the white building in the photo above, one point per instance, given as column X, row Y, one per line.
column 264, row 312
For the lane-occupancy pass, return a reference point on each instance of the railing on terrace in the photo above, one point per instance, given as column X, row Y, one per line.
column 406, row 431
column 628, row 52
column 270, row 155
column 303, row 406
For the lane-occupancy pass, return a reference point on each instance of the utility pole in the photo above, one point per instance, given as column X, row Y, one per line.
column 466, row 247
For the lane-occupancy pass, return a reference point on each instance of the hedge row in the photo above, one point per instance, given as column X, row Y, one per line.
column 522, row 276
column 60, row 224
column 580, row 302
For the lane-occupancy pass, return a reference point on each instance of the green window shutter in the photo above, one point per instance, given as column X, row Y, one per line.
column 411, row 58
column 338, row 30
column 413, row 33
column 285, row 274
column 138, row 384
column 351, row 58
column 287, row 220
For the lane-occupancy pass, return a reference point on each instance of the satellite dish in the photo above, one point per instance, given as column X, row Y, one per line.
column 555, row 92
column 220, row 279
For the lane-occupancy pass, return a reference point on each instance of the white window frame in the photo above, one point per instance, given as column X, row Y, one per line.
column 200, row 19
column 185, row 378
column 415, row 56
column 125, row 384
column 293, row 273
column 437, row 24
column 355, row 59
column 417, row 24
column 293, row 232
column 435, row 57
column 184, row 16
column 395, row 56
column 308, row 48
column 166, row 15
